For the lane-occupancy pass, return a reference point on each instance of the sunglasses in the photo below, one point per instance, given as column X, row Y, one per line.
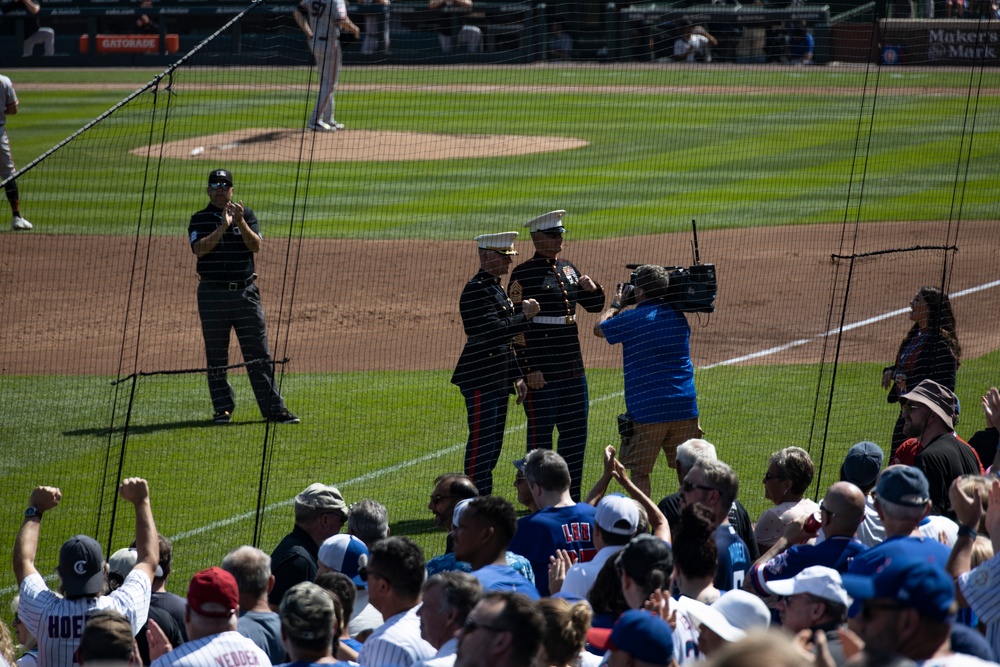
column 688, row 487
column 364, row 572
column 219, row 186
column 471, row 626
column 822, row 508
column 768, row 476
column 435, row 499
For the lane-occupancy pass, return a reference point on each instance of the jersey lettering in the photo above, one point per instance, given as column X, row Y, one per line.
column 66, row 627
column 576, row 532
column 236, row 659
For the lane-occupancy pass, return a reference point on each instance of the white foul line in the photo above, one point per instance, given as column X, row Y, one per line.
column 381, row 472
column 833, row 332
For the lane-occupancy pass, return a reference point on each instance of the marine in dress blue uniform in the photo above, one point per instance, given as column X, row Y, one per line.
column 224, row 236
column 487, row 371
column 549, row 352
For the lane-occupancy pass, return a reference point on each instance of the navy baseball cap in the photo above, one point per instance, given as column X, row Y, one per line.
column 220, row 176
column 345, row 554
column 640, row 633
column 862, row 463
column 911, row 582
column 904, row 485
column 81, row 566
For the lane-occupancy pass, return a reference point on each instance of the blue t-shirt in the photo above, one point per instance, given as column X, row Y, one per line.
column 656, row 353
column 734, row 559
column 540, row 534
column 897, row 547
column 448, row 563
column 835, row 552
column 504, row 578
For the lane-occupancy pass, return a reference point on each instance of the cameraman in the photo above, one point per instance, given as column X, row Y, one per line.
column 659, row 375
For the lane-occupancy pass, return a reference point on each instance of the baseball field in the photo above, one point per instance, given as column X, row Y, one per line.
column 824, row 196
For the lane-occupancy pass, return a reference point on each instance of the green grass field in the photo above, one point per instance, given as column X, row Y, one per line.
column 657, row 158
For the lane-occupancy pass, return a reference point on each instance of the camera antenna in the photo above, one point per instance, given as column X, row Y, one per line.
column 694, row 243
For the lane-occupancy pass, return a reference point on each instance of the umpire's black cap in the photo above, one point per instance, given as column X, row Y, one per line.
column 220, row 176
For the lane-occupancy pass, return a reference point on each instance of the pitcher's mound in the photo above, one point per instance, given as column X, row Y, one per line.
column 272, row 145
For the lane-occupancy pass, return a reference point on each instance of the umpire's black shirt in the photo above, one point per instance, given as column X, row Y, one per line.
column 230, row 260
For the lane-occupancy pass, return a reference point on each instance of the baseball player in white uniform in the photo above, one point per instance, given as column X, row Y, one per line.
column 213, row 602
column 322, row 21
column 57, row 622
column 8, row 102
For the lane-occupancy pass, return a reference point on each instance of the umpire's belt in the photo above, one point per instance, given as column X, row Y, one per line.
column 563, row 319
column 231, row 286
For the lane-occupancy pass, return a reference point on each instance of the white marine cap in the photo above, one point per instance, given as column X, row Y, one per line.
column 502, row 243
column 551, row 221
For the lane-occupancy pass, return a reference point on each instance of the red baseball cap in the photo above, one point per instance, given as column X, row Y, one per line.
column 213, row 593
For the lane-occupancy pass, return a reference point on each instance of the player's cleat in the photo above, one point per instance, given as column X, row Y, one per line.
column 222, row 417
column 20, row 224
column 335, row 125
column 321, row 126
column 284, row 417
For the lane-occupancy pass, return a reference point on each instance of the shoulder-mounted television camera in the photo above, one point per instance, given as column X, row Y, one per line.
column 692, row 289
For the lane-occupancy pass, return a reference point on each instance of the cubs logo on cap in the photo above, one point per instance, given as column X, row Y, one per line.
column 502, row 243
column 550, row 222
column 220, row 176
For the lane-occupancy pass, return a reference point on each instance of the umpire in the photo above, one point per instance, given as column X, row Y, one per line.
column 225, row 236
column 549, row 353
column 487, row 366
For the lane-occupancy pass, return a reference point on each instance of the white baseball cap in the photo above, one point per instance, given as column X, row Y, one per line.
column 732, row 615
column 823, row 582
column 502, row 243
column 617, row 514
column 459, row 508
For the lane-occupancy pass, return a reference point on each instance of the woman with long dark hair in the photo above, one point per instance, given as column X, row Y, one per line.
column 930, row 351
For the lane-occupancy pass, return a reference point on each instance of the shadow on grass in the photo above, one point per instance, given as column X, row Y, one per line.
column 104, row 431
column 414, row 527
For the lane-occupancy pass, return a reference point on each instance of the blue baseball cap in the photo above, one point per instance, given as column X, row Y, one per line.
column 904, row 485
column 346, row 554
column 913, row 583
column 642, row 634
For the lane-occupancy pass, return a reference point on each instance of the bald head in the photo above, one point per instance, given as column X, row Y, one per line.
column 846, row 503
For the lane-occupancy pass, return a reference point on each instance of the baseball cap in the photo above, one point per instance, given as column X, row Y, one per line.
column 912, row 582
column 322, row 497
column 904, row 485
column 307, row 612
column 643, row 554
column 123, row 560
column 107, row 635
column 81, row 566
column 862, row 463
column 617, row 514
column 941, row 400
column 213, row 593
column 220, row 176
column 502, row 243
column 640, row 633
column 822, row 582
column 734, row 614
column 549, row 222
column 345, row 554
column 519, row 464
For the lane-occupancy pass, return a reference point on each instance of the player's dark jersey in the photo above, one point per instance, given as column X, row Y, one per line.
column 734, row 559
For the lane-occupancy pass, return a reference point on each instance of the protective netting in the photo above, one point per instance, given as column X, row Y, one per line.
column 825, row 197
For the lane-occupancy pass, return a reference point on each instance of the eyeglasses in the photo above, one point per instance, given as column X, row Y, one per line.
column 471, row 626
column 435, row 499
column 364, row 572
column 822, row 508
column 688, row 487
column 768, row 476
column 219, row 186
column 869, row 607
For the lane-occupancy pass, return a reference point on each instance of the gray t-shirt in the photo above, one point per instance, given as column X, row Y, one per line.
column 263, row 628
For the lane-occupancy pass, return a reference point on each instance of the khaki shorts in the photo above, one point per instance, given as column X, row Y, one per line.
column 649, row 439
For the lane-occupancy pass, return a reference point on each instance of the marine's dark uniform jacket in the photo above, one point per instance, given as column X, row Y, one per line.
column 487, row 362
column 553, row 349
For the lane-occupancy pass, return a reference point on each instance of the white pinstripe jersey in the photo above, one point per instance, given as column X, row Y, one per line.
column 226, row 649
column 323, row 16
column 7, row 97
column 981, row 588
column 58, row 623
column 396, row 643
